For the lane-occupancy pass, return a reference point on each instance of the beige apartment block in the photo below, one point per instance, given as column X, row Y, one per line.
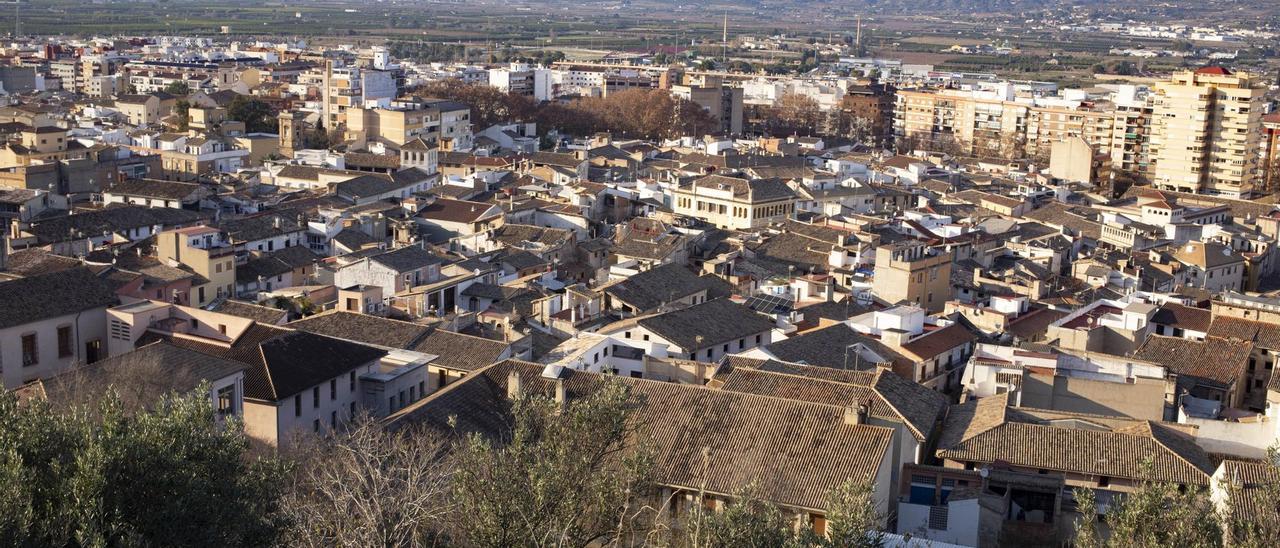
column 909, row 271
column 1207, row 133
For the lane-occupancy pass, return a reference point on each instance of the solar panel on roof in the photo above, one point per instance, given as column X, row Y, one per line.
column 770, row 304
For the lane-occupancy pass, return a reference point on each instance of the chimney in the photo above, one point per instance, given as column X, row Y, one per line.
column 856, row 413
column 831, row 288
column 562, row 395
column 894, row 338
column 275, row 222
column 515, row 390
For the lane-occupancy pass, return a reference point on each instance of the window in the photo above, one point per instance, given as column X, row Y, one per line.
column 646, row 337
column 315, row 396
column 30, row 350
column 351, row 381
column 757, row 339
column 227, row 400
column 422, row 388
column 402, row 398
column 391, row 404
column 64, row 341
column 333, row 418
column 333, row 389
column 413, row 396
column 297, row 405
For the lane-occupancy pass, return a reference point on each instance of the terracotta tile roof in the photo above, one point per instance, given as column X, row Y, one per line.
column 698, row 436
column 1219, row 361
column 36, row 261
column 150, row 372
column 27, row 300
column 1060, row 215
column 363, row 328
column 987, row 431
column 367, row 159
column 706, row 324
column 940, row 341
column 889, row 396
column 826, row 348
column 152, row 188
column 1265, row 335
column 462, row 352
column 1206, row 254
column 659, row 285
column 457, row 211
column 1255, row 484
column 257, row 313
column 283, row 362
column 1183, row 317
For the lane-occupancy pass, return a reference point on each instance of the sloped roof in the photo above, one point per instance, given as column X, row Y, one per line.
column 707, row 324
column 259, row 227
column 1253, row 486
column 410, row 257
column 826, row 347
column 661, row 284
column 363, row 328
column 1183, row 317
column 354, row 239
column 457, row 211
column 889, row 396
column 755, row 190
column 151, row 372
column 283, row 362
column 1220, row 361
column 111, row 219
column 257, row 313
column 461, row 352
column 1265, row 335
column 987, row 430
column 275, row 264
column 36, row 261
column 723, row 440
column 51, row 295
column 1206, row 254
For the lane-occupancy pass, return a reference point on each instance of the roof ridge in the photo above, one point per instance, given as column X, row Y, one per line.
column 799, row 376
column 1154, row 427
column 880, row 372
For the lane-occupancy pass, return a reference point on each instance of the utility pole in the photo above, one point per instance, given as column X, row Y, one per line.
column 724, row 40
column 857, row 41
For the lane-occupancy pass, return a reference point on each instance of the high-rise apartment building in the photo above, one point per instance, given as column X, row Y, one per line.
column 1207, row 130
column 1270, row 156
column 996, row 122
